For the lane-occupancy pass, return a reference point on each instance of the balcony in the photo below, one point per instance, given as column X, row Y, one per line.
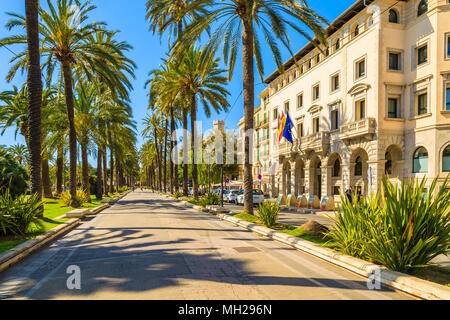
column 318, row 142
column 365, row 128
column 262, row 124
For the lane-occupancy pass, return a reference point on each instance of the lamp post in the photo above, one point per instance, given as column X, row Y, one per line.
column 221, row 186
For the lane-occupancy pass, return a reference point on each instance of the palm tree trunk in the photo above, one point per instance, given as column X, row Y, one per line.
column 59, row 171
column 117, row 173
column 111, row 172
column 46, row 183
column 173, row 162
column 105, row 172
column 249, row 100
column 34, row 82
column 99, row 189
column 85, row 171
column 68, row 89
column 165, row 154
column 193, row 146
column 185, row 153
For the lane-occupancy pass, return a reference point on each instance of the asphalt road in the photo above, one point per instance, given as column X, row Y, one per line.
column 149, row 247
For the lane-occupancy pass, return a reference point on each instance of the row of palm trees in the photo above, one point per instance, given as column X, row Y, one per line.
column 183, row 80
column 85, row 100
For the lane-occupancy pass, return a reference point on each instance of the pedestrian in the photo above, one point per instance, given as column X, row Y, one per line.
column 349, row 194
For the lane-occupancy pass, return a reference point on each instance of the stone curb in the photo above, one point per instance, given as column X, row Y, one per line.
column 16, row 254
column 412, row 285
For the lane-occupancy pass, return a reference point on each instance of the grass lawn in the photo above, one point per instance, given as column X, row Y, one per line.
column 53, row 208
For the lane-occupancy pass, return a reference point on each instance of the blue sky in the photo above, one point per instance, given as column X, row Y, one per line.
column 129, row 18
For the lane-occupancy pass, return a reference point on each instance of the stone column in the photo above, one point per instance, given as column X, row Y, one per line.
column 346, row 175
column 307, row 177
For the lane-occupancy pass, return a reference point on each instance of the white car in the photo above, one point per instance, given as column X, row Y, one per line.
column 258, row 197
column 231, row 196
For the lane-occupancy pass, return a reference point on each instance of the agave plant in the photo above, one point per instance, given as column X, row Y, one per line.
column 402, row 227
column 268, row 213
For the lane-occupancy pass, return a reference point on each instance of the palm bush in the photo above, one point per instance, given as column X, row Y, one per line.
column 209, row 199
column 402, row 227
column 17, row 214
column 178, row 194
column 268, row 213
column 80, row 198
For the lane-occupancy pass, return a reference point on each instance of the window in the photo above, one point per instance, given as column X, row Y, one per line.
column 337, row 168
column 393, row 16
column 338, row 44
column 317, row 58
column 300, row 129
column 393, row 108
column 360, row 69
column 446, row 160
column 423, row 7
column 447, row 99
column 316, row 92
column 335, row 83
column 300, row 101
column 422, row 104
column 327, row 52
column 395, row 61
column 422, row 55
column 286, row 107
column 275, row 114
column 448, row 45
column 358, row 167
column 388, row 165
column 334, row 120
column 360, row 112
column 336, row 191
column 420, row 161
column 316, row 126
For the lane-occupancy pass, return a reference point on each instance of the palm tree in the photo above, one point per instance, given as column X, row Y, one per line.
column 34, row 83
column 239, row 23
column 67, row 42
column 20, row 153
column 198, row 78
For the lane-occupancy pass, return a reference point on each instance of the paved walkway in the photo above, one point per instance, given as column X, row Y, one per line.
column 149, row 247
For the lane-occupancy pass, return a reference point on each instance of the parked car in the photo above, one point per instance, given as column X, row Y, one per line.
column 258, row 197
column 232, row 195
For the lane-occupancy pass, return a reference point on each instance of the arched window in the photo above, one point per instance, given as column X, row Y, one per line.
column 337, row 168
column 356, row 31
column 420, row 160
column 358, row 167
column 446, row 160
column 423, row 7
column 388, row 165
column 338, row 44
column 393, row 16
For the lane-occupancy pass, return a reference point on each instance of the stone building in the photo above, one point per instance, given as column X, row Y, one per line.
column 375, row 101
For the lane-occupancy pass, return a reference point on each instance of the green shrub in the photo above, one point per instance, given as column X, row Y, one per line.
column 13, row 176
column 210, row 199
column 268, row 213
column 80, row 198
column 17, row 214
column 402, row 227
column 177, row 194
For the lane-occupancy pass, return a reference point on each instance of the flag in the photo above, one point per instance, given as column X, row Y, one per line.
column 287, row 133
column 281, row 126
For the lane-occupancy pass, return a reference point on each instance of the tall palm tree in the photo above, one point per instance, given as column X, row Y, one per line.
column 34, row 83
column 198, row 78
column 65, row 39
column 239, row 23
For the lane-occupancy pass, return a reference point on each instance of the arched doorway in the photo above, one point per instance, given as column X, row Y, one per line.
column 286, row 178
column 358, row 171
column 299, row 177
column 335, row 184
column 394, row 162
column 315, row 177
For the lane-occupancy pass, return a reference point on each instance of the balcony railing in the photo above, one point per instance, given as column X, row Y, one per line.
column 319, row 142
column 365, row 128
